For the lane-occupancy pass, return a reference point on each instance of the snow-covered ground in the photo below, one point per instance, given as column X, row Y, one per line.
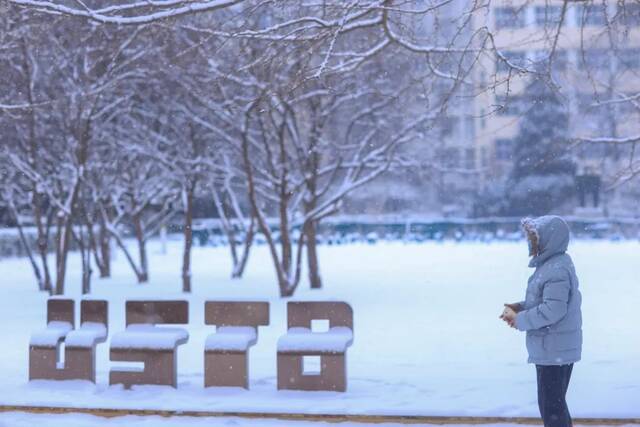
column 427, row 335
column 18, row 419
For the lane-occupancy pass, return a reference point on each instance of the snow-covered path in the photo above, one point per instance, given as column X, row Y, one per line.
column 427, row 335
column 21, row 419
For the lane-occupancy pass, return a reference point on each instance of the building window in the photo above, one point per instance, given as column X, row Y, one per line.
column 509, row 17
column 265, row 21
column 448, row 127
column 587, row 103
column 452, row 158
column 629, row 58
column 628, row 106
column 517, row 58
column 595, row 60
column 590, row 15
column 540, row 59
column 588, row 187
column 470, row 158
column 504, row 149
column 560, row 60
column 510, row 106
column 469, row 124
column 593, row 108
column 629, row 14
column 548, row 16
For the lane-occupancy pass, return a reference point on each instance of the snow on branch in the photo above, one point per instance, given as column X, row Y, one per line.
column 633, row 139
column 27, row 106
column 111, row 14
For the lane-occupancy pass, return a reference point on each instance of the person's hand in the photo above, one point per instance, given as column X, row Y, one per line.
column 515, row 307
column 509, row 316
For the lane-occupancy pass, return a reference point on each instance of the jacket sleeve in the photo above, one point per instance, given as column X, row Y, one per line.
column 555, row 299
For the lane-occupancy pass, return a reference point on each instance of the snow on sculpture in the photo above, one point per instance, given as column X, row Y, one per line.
column 300, row 342
column 143, row 341
column 226, row 362
column 80, row 344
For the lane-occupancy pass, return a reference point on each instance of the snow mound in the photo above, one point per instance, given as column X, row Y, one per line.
column 231, row 338
column 88, row 334
column 336, row 340
column 149, row 337
column 56, row 330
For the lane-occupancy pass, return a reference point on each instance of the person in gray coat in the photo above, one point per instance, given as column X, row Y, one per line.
column 551, row 315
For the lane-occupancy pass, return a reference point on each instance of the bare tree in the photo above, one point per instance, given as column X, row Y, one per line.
column 239, row 230
column 13, row 197
column 79, row 74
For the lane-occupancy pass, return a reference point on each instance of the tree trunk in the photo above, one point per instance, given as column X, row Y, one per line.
column 285, row 237
column 112, row 231
column 105, row 249
column 286, row 290
column 87, row 271
column 58, row 241
column 43, row 236
column 43, row 241
column 44, row 259
column 64, row 241
column 239, row 266
column 188, row 238
column 64, row 245
column 27, row 248
column 81, row 154
column 313, row 265
column 239, row 262
column 127, row 255
column 85, row 255
column 100, row 257
column 142, row 249
column 286, row 284
column 229, row 231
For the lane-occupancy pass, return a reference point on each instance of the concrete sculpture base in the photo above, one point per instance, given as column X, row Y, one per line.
column 160, row 367
column 332, row 375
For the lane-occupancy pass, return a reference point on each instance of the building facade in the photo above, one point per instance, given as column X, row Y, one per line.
column 595, row 68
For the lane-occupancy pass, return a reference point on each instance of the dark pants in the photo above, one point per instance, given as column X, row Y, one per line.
column 553, row 382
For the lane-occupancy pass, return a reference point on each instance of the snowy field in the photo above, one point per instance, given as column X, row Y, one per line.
column 428, row 340
column 17, row 419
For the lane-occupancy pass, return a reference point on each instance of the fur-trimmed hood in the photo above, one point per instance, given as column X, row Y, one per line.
column 552, row 234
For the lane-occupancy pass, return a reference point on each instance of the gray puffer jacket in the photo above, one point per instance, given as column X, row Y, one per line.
column 551, row 312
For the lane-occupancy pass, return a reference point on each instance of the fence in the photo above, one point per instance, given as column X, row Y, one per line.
column 367, row 228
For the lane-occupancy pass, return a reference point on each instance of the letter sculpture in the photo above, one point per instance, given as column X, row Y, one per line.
column 300, row 342
column 226, row 353
column 156, row 347
column 80, row 344
column 226, row 361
